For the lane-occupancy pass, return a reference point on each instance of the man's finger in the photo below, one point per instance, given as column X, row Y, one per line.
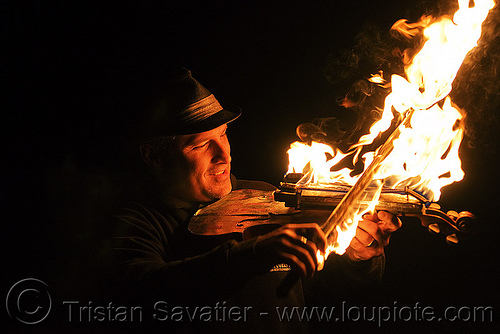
column 372, row 229
column 388, row 221
column 371, row 217
column 302, row 242
column 364, row 237
column 300, row 256
column 312, row 232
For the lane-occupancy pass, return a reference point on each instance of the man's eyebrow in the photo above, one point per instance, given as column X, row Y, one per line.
column 192, row 140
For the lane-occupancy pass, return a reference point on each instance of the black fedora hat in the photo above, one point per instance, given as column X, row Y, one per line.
column 183, row 106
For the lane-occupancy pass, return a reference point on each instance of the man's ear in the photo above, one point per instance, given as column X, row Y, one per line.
column 151, row 156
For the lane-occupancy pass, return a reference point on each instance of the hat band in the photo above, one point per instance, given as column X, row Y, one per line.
column 200, row 110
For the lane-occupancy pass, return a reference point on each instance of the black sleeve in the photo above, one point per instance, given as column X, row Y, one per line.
column 145, row 267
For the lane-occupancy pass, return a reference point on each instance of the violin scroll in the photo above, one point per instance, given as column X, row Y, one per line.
column 455, row 226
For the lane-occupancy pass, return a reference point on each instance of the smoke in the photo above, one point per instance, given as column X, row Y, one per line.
column 476, row 89
column 359, row 105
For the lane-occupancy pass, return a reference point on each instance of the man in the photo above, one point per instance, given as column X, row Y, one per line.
column 187, row 153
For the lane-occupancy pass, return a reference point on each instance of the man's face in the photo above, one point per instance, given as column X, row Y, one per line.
column 202, row 166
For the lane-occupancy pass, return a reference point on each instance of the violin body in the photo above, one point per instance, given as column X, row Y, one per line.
column 245, row 208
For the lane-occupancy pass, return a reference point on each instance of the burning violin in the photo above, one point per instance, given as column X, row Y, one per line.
column 245, row 209
column 402, row 202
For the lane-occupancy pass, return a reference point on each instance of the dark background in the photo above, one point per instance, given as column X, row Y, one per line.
column 62, row 157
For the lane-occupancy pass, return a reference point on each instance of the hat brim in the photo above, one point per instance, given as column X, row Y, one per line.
column 226, row 115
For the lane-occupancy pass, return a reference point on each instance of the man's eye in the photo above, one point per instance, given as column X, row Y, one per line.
column 200, row 146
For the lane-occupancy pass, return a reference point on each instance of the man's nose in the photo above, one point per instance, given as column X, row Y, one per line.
column 221, row 152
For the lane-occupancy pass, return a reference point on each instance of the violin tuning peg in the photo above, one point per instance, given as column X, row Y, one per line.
column 434, row 206
column 453, row 214
column 434, row 228
column 452, row 239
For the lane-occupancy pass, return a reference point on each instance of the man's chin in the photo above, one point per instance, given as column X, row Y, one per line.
column 220, row 191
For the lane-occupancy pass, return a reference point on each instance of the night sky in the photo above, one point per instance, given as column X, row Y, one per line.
column 63, row 157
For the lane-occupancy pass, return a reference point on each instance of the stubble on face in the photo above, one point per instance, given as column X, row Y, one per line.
column 202, row 166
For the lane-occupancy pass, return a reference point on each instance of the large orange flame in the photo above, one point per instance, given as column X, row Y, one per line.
column 425, row 157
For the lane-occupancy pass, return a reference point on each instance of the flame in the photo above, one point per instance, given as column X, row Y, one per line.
column 379, row 79
column 312, row 160
column 425, row 157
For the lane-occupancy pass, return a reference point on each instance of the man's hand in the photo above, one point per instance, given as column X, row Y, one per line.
column 293, row 244
column 372, row 235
